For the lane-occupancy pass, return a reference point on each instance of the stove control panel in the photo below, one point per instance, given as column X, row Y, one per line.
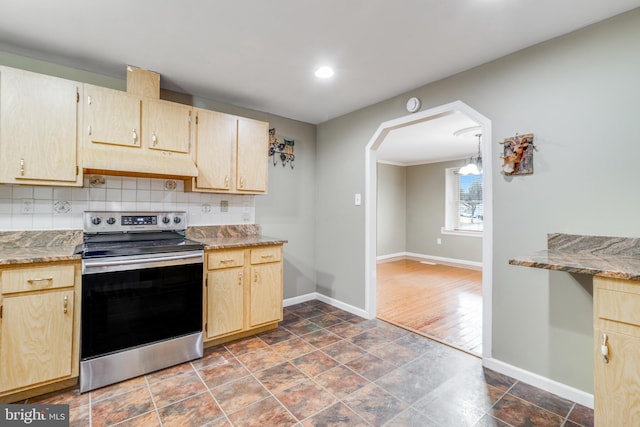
column 112, row 221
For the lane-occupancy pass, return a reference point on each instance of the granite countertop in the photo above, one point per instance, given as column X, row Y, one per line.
column 23, row 247
column 231, row 236
column 616, row 257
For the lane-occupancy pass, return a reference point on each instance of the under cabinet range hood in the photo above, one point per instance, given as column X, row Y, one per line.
column 139, row 164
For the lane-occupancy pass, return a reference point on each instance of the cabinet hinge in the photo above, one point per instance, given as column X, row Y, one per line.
column 206, row 279
column 206, row 329
column 1, row 306
column 196, row 119
column 77, row 170
column 77, row 97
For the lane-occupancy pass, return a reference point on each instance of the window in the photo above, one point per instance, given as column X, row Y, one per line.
column 464, row 212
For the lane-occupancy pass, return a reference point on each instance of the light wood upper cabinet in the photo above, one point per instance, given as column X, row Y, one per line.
column 215, row 150
column 253, row 138
column 39, row 127
column 126, row 133
column 166, row 125
column 231, row 153
column 112, row 117
column 39, row 325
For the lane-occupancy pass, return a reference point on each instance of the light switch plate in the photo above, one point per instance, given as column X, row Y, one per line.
column 358, row 199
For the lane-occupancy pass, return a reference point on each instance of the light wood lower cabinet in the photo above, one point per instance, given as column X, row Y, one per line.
column 39, row 333
column 243, row 291
column 617, row 328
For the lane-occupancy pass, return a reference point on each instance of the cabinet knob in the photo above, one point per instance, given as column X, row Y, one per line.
column 255, row 277
column 65, row 304
column 242, row 182
column 22, row 167
column 604, row 349
column 226, row 181
column 240, row 279
column 154, row 139
column 135, row 136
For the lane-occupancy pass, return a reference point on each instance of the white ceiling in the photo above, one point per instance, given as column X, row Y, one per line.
column 431, row 141
column 261, row 54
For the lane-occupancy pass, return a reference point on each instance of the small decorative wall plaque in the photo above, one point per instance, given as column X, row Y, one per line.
column 281, row 147
column 518, row 155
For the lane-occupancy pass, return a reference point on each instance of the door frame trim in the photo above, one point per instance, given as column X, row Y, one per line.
column 370, row 201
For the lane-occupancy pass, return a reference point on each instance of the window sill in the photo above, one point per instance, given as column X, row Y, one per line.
column 461, row 233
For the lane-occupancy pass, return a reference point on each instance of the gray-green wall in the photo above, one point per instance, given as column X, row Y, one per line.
column 287, row 211
column 426, row 214
column 579, row 95
column 392, row 212
column 411, row 213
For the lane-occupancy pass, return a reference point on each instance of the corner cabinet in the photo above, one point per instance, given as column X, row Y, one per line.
column 243, row 292
column 39, row 128
column 39, row 328
column 231, row 153
column 617, row 335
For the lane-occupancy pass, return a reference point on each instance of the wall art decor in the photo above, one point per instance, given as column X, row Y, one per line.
column 280, row 147
column 518, row 155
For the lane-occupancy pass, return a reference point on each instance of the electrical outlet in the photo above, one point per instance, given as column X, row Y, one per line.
column 27, row 205
column 224, row 206
column 439, row 241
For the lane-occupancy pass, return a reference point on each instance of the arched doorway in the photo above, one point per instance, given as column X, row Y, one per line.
column 370, row 206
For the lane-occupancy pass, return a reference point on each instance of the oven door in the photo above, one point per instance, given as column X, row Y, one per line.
column 131, row 301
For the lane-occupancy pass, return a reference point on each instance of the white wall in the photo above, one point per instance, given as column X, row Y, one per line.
column 579, row 95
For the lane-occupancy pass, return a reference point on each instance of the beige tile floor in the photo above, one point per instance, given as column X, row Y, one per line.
column 324, row 367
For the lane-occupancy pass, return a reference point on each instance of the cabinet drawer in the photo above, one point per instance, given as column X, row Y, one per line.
column 618, row 306
column 36, row 278
column 225, row 259
column 266, row 254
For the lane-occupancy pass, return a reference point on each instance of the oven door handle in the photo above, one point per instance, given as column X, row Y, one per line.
column 105, row 266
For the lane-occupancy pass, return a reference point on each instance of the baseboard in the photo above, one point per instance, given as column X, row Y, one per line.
column 300, row 298
column 544, row 383
column 333, row 302
column 442, row 260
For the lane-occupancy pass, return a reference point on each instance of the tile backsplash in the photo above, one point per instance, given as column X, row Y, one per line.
column 25, row 207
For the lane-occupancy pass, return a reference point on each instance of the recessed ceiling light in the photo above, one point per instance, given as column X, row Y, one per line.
column 324, row 72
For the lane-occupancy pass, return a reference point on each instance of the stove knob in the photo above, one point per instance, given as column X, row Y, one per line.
column 111, row 220
column 177, row 220
column 166, row 220
column 96, row 220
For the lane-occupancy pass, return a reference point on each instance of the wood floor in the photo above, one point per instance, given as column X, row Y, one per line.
column 437, row 301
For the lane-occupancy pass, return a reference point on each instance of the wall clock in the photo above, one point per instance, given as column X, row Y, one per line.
column 413, row 104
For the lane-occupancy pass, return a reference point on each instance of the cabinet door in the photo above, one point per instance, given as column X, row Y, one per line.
column 38, row 127
column 616, row 399
column 167, row 125
column 253, row 139
column 225, row 290
column 111, row 116
column 36, row 341
column 266, row 293
column 215, row 150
